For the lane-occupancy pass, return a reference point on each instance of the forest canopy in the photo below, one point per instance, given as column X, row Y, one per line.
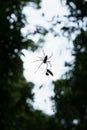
column 69, row 94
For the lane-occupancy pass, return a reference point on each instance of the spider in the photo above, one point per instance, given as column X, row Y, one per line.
column 45, row 60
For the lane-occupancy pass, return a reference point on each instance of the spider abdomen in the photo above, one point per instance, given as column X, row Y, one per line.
column 45, row 59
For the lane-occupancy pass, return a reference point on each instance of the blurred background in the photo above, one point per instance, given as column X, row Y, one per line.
column 32, row 100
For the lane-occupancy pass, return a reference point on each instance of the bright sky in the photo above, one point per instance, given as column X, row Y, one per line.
column 58, row 46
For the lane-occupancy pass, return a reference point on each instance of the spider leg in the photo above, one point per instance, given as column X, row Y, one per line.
column 46, row 68
column 36, row 60
column 43, row 53
column 48, row 71
column 50, row 56
column 40, row 58
column 49, row 63
column 39, row 67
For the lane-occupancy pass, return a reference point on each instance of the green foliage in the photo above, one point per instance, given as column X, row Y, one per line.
column 16, row 110
column 71, row 92
column 77, row 8
column 70, row 23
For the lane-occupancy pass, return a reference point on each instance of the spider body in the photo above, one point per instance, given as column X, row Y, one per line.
column 45, row 59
